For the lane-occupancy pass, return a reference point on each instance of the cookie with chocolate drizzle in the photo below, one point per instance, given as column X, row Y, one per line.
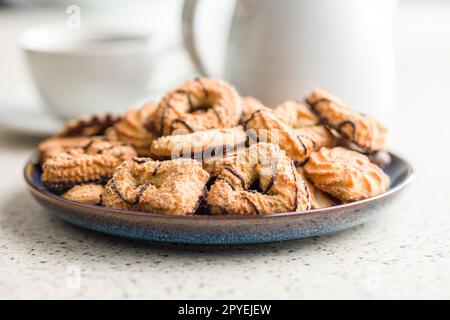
column 261, row 180
column 93, row 163
column 364, row 131
column 197, row 105
column 174, row 187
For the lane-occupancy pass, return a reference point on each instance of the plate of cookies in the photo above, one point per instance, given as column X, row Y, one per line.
column 207, row 166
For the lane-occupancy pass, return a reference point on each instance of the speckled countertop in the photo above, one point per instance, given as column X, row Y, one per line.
column 403, row 253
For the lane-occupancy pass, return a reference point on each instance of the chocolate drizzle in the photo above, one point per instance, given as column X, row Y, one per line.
column 163, row 119
column 308, row 195
column 252, row 116
column 237, row 175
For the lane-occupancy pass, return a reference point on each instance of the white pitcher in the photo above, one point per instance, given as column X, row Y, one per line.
column 281, row 49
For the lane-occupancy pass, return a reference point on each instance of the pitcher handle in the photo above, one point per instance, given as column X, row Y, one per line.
column 189, row 11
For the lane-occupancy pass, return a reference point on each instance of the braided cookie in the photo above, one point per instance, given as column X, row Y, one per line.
column 347, row 175
column 94, row 163
column 296, row 114
column 249, row 106
column 366, row 132
column 86, row 193
column 174, row 187
column 89, row 125
column 198, row 105
column 199, row 145
column 132, row 129
column 297, row 143
column 261, row 180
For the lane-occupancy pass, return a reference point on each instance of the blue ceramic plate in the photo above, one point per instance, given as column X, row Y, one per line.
column 226, row 229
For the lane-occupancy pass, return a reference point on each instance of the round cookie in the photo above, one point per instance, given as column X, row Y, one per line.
column 366, row 132
column 346, row 175
column 174, row 187
column 261, row 180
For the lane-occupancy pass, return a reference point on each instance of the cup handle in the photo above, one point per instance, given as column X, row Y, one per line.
column 189, row 10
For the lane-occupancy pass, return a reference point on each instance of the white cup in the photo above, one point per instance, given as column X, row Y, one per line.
column 79, row 72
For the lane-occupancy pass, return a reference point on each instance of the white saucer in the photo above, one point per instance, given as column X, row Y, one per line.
column 36, row 123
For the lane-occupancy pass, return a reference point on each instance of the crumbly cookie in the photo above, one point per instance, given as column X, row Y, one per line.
column 296, row 115
column 198, row 105
column 86, row 193
column 89, row 125
column 199, row 145
column 94, row 163
column 319, row 199
column 366, row 132
column 262, row 180
column 132, row 129
column 173, row 187
column 297, row 143
column 346, row 175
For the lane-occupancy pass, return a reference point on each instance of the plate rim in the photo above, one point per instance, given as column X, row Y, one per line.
column 32, row 163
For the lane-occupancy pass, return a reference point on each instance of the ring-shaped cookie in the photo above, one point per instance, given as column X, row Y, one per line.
column 198, row 105
column 261, row 180
column 174, row 187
